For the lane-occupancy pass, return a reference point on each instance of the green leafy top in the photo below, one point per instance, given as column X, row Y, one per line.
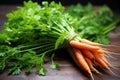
column 93, row 24
column 31, row 34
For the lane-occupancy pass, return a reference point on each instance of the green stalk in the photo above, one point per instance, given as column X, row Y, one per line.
column 34, row 48
column 111, row 26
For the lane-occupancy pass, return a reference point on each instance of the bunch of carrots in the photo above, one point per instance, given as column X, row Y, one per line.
column 88, row 55
column 34, row 32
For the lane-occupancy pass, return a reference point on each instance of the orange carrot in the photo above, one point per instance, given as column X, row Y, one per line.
column 89, row 42
column 100, row 61
column 96, row 63
column 105, row 60
column 102, row 51
column 103, row 64
column 88, row 54
column 85, row 46
column 90, row 64
column 81, row 61
column 74, row 57
column 100, row 54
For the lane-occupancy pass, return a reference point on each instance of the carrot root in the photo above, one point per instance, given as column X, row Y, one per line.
column 89, row 42
column 85, row 51
column 88, row 54
column 91, row 65
column 85, row 46
column 82, row 62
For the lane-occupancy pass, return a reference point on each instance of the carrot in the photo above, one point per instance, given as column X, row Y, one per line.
column 100, row 54
column 102, row 51
column 99, row 59
column 85, row 46
column 89, row 62
column 89, row 42
column 88, row 54
column 105, row 60
column 103, row 64
column 85, row 52
column 81, row 61
column 96, row 63
column 73, row 57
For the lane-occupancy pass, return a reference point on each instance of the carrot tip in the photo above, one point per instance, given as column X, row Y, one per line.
column 91, row 76
column 112, row 72
column 97, row 72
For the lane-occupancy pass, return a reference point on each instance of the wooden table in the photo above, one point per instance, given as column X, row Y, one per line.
column 67, row 69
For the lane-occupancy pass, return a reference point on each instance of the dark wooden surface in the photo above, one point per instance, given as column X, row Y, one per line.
column 67, row 69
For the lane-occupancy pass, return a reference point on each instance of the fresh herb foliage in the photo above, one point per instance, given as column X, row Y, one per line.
column 94, row 24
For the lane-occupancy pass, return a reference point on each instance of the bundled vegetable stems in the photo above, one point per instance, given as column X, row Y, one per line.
column 33, row 33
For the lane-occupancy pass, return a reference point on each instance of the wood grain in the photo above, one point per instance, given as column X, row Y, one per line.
column 67, row 70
